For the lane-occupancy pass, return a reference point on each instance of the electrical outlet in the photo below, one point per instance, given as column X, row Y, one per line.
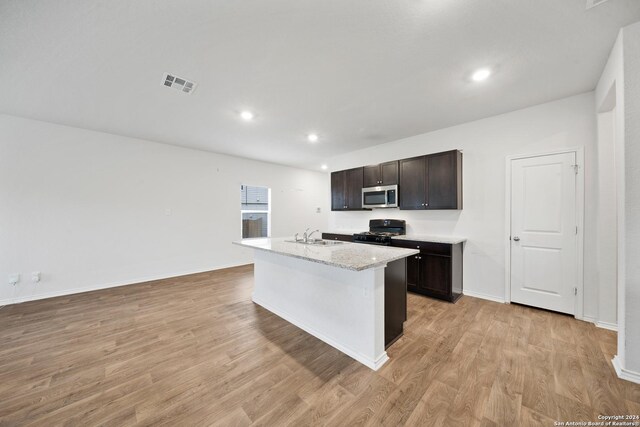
column 35, row 276
column 318, row 210
column 14, row 279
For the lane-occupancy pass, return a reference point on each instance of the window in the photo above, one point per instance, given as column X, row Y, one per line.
column 255, row 211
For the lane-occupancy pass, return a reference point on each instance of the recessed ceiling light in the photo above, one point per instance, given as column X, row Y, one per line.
column 312, row 137
column 324, row 167
column 247, row 115
column 481, row 74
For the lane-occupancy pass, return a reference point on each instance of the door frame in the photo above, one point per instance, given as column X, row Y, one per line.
column 579, row 152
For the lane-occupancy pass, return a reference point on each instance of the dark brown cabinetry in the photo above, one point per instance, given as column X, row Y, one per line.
column 346, row 190
column 445, row 180
column 436, row 271
column 431, row 182
column 413, row 183
column 382, row 174
column 340, row 237
column 395, row 300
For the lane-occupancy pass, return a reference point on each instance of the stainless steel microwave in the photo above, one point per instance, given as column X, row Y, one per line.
column 384, row 196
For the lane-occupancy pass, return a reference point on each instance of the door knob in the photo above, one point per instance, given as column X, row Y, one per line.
column 516, row 239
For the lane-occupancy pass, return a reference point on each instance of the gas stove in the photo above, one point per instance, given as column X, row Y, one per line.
column 381, row 231
column 373, row 238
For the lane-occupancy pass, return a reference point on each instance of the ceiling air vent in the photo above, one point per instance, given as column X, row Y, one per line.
column 594, row 3
column 178, row 83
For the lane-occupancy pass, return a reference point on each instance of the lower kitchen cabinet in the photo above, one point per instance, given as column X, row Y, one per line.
column 436, row 271
column 340, row 237
column 395, row 301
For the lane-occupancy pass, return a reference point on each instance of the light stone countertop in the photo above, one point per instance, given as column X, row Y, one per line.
column 350, row 256
column 452, row 240
column 346, row 232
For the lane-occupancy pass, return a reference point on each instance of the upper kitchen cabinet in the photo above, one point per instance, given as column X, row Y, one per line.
column 382, row 174
column 445, row 180
column 431, row 182
column 346, row 189
column 413, row 183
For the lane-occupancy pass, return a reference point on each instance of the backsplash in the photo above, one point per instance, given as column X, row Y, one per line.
column 444, row 223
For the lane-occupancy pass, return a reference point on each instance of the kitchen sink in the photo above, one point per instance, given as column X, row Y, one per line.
column 317, row 242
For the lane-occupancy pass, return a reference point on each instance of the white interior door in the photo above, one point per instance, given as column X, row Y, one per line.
column 544, row 232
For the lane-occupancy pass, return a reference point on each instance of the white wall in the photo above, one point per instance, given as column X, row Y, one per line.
column 618, row 92
column 607, row 239
column 89, row 209
column 565, row 123
column 609, row 97
column 631, row 47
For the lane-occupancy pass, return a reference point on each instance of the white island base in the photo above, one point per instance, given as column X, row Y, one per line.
column 344, row 308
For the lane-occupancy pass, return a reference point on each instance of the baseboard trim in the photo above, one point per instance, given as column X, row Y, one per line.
column 604, row 325
column 623, row 373
column 72, row 291
column 607, row 325
column 483, row 296
column 368, row 362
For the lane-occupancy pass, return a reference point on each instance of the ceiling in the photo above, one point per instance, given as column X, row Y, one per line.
column 356, row 72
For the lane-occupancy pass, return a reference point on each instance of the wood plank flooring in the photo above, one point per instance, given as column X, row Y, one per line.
column 196, row 351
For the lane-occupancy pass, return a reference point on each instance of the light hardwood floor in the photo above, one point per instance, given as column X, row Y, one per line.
column 196, row 351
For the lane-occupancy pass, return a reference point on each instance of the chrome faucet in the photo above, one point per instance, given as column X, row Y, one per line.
column 306, row 236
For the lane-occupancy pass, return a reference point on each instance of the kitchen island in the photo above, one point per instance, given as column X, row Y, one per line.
column 334, row 290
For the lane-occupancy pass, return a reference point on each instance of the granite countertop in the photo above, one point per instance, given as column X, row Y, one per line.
column 452, row 240
column 350, row 256
column 345, row 232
